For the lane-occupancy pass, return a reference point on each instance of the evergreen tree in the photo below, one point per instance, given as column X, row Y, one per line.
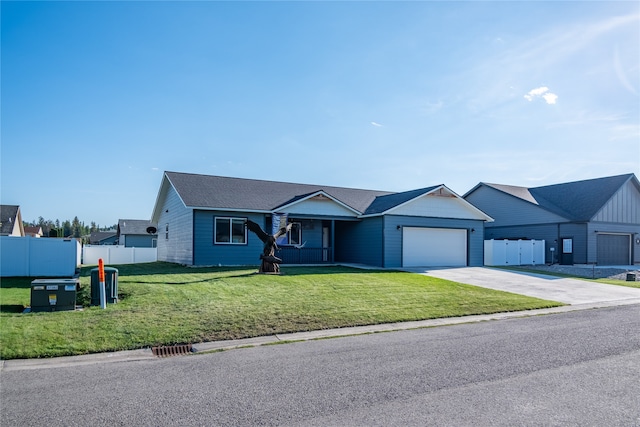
column 66, row 229
column 76, row 227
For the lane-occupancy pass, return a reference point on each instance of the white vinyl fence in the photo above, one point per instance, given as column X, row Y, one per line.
column 38, row 257
column 114, row 254
column 513, row 252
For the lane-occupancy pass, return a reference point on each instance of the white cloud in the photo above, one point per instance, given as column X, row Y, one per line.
column 378, row 125
column 541, row 92
column 550, row 98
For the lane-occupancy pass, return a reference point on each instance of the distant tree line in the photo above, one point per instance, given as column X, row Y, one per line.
column 67, row 228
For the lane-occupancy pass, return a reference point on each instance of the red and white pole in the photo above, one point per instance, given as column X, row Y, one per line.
column 103, row 290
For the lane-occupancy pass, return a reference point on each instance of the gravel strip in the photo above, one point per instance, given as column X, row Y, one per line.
column 585, row 271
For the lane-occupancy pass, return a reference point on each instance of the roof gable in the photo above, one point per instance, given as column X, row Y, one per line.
column 318, row 203
column 623, row 207
column 437, row 202
column 580, row 200
column 575, row 201
column 11, row 221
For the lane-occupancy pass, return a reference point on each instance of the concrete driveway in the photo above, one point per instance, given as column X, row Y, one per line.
column 568, row 291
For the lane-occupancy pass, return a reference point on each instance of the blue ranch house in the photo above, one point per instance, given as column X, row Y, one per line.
column 200, row 220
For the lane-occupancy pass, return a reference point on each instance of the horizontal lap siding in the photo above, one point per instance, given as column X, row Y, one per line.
column 359, row 242
column 208, row 253
column 139, row 241
column 179, row 247
column 393, row 236
column 507, row 210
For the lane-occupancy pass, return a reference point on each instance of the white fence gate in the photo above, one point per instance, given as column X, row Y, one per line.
column 38, row 257
column 513, row 252
column 114, row 254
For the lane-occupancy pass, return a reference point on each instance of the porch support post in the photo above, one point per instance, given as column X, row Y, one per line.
column 333, row 240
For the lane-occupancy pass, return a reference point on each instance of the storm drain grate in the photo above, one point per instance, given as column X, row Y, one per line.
column 172, row 350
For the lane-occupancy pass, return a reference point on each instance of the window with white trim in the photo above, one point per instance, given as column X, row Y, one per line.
column 231, row 231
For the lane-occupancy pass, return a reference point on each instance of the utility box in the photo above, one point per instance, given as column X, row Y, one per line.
column 110, row 285
column 54, row 294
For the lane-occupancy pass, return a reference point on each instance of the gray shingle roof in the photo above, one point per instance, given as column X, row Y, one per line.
column 581, row 200
column 388, row 201
column 216, row 192
column 8, row 214
column 97, row 236
column 134, row 226
column 577, row 201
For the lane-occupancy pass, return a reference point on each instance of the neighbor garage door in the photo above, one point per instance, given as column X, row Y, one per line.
column 434, row 247
column 614, row 249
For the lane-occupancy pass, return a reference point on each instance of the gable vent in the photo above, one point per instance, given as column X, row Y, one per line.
column 441, row 192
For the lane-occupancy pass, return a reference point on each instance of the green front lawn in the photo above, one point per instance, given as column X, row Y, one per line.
column 165, row 303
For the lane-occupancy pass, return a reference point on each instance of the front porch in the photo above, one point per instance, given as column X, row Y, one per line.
column 304, row 255
column 310, row 241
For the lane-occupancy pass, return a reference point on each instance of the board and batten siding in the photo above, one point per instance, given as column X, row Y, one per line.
column 507, row 210
column 359, row 242
column 207, row 252
column 178, row 248
column 393, row 236
column 622, row 208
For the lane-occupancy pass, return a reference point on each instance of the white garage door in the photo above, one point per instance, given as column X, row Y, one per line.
column 434, row 247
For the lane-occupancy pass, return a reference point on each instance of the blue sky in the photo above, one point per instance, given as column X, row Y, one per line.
column 99, row 98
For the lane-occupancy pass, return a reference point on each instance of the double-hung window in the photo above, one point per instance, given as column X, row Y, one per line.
column 229, row 230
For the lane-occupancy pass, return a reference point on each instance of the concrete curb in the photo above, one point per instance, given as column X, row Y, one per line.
column 147, row 355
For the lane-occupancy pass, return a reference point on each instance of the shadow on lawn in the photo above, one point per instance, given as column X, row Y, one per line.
column 190, row 282
column 11, row 308
column 168, row 269
column 292, row 270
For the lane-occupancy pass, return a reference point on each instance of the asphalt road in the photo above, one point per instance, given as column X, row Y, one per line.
column 579, row 368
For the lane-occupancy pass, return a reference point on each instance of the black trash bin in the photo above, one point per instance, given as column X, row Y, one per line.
column 110, row 285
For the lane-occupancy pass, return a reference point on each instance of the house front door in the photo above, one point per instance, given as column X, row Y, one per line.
column 566, row 251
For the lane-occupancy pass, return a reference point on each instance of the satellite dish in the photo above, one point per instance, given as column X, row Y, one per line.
column 152, row 230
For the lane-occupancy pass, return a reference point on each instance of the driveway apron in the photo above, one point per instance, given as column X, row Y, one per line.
column 568, row 291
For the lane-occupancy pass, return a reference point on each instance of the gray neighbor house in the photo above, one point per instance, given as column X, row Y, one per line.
column 136, row 233
column 200, row 221
column 595, row 221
